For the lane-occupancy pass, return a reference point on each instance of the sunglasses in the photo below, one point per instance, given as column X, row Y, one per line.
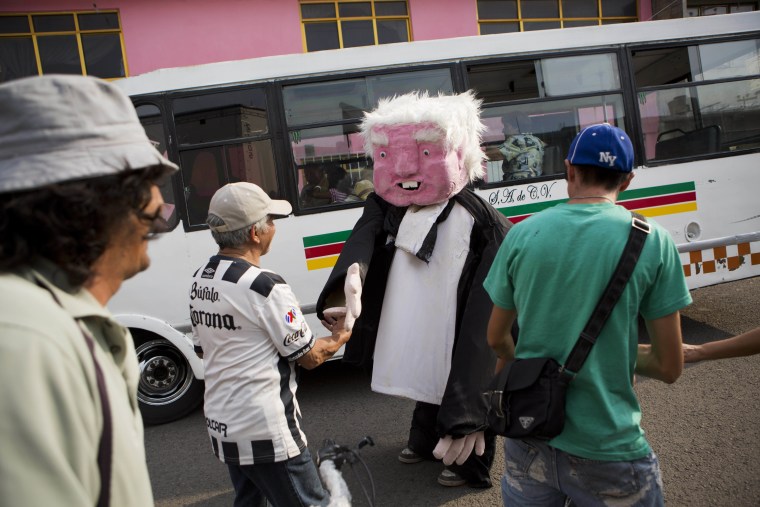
column 159, row 221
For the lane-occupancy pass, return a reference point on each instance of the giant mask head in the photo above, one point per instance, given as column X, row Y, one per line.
column 425, row 149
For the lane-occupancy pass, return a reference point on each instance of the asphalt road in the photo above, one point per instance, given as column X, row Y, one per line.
column 705, row 428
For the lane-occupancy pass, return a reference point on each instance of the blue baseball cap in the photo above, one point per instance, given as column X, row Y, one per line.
column 604, row 146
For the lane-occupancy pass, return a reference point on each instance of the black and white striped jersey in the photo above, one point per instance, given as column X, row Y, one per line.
column 248, row 324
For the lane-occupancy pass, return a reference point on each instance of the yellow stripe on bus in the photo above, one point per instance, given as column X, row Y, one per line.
column 321, row 262
column 669, row 209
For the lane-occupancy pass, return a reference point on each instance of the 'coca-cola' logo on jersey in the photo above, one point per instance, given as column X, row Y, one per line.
column 293, row 337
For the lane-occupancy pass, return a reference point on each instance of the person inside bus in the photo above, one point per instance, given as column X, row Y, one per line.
column 316, row 189
column 252, row 335
column 602, row 456
column 363, row 187
column 338, row 181
column 361, row 190
column 522, row 152
column 79, row 201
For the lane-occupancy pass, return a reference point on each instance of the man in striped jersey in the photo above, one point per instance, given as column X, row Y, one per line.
column 249, row 329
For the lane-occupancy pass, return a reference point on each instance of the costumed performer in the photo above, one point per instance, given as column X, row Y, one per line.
column 413, row 270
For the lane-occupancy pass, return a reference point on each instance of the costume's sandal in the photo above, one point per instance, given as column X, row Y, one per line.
column 409, row 456
column 450, row 479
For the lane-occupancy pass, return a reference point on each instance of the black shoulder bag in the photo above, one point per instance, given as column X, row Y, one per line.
column 527, row 397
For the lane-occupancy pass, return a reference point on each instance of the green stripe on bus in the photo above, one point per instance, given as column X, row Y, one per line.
column 675, row 188
column 326, row 239
column 528, row 209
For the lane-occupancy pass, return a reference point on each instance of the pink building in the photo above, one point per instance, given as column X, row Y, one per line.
column 129, row 37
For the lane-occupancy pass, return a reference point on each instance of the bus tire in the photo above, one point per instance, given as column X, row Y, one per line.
column 167, row 389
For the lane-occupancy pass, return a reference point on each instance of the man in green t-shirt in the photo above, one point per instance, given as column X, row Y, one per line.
column 549, row 276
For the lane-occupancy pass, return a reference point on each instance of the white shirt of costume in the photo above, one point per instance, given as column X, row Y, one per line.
column 415, row 337
column 249, row 326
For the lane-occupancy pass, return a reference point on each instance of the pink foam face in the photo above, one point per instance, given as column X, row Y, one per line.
column 414, row 167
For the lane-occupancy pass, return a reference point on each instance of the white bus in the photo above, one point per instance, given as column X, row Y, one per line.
column 687, row 92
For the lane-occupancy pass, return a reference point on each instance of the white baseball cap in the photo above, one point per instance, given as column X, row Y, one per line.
column 242, row 204
column 59, row 128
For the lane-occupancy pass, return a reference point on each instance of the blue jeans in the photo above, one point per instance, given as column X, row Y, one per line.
column 293, row 482
column 539, row 475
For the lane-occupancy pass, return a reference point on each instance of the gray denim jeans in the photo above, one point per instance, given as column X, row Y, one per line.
column 539, row 475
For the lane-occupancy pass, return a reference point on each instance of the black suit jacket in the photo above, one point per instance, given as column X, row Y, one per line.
column 463, row 409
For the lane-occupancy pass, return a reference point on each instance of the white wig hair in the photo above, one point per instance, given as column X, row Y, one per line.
column 458, row 116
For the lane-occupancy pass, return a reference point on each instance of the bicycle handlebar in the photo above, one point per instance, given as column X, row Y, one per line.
column 340, row 454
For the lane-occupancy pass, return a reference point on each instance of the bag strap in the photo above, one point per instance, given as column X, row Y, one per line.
column 639, row 231
column 105, row 446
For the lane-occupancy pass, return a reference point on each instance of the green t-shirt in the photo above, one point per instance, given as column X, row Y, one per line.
column 552, row 268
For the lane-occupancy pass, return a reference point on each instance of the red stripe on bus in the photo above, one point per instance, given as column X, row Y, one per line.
column 649, row 202
column 321, row 251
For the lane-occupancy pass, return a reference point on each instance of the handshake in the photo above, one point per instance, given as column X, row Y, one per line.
column 343, row 317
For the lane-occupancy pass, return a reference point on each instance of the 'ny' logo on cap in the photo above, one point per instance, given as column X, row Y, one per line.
column 604, row 156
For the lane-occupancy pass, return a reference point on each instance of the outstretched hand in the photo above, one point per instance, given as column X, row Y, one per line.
column 353, row 290
column 450, row 449
column 348, row 314
column 692, row 353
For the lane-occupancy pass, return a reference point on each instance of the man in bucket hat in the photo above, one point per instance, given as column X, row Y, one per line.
column 549, row 277
column 250, row 331
column 79, row 199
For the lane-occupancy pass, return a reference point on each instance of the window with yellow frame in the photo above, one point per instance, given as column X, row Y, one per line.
column 88, row 43
column 502, row 16
column 351, row 23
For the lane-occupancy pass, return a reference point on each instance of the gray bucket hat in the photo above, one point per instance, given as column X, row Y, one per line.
column 61, row 128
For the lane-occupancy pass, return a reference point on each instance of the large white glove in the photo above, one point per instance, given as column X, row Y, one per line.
column 353, row 291
column 450, row 449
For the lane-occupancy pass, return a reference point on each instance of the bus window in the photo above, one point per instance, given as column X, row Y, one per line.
column 554, row 123
column 579, row 74
column 329, row 101
column 219, row 116
column 223, row 138
column 253, row 162
column 347, row 99
column 152, row 121
column 387, row 85
column 201, row 171
column 692, row 112
column 205, row 170
column 548, row 77
column 729, row 59
column 528, row 127
column 661, row 66
column 330, row 161
column 330, row 164
column 501, row 82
